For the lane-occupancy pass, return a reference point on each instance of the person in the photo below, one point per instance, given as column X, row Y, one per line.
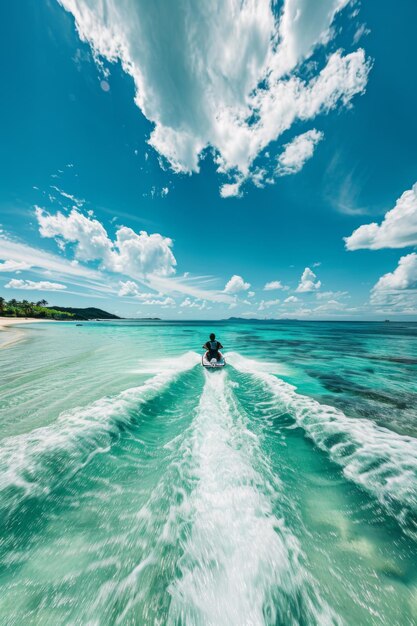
column 213, row 348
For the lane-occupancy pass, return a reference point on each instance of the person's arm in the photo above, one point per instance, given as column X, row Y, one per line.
column 220, row 345
column 205, row 346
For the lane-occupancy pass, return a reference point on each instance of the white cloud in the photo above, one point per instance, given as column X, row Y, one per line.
column 236, row 284
column 274, row 284
column 68, row 196
column 204, row 70
column 398, row 229
column 165, row 303
column 175, row 285
column 267, row 304
column 297, row 152
column 41, row 260
column 308, row 281
column 291, row 299
column 132, row 254
column 31, row 285
column 89, row 235
column 231, row 190
column 394, row 302
column 328, row 295
column 362, row 31
column 329, row 306
column 11, row 265
column 396, row 292
column 403, row 277
column 129, row 288
column 48, row 264
column 303, row 25
column 193, row 304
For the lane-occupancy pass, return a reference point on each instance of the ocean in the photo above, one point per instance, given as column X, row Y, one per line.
column 137, row 488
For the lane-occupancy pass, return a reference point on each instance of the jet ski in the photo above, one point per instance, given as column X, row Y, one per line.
column 213, row 363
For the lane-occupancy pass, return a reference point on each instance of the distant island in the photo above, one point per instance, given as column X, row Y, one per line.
column 89, row 313
column 260, row 319
column 41, row 310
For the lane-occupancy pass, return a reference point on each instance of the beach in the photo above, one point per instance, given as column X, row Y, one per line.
column 137, row 487
column 7, row 324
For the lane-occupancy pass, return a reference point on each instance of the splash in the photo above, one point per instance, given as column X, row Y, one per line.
column 33, row 464
column 379, row 460
column 240, row 563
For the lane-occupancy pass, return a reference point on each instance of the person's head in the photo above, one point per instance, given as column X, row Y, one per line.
column 212, row 336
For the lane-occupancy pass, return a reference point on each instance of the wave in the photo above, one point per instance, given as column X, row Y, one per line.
column 377, row 459
column 33, row 464
column 240, row 564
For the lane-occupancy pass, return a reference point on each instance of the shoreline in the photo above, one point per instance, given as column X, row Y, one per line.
column 7, row 324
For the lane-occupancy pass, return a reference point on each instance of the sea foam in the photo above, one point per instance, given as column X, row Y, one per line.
column 379, row 460
column 240, row 563
column 34, row 463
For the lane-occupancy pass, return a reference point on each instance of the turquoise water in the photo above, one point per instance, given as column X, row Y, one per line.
column 138, row 488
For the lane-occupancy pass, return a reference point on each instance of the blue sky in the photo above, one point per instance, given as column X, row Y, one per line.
column 174, row 159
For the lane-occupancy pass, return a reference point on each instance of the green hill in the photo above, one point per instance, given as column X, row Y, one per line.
column 89, row 313
column 24, row 308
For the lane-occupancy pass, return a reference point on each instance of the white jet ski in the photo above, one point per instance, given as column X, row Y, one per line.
column 213, row 364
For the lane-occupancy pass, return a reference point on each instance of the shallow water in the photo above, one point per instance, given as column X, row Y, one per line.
column 138, row 488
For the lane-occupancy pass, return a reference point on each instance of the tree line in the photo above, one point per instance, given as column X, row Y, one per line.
column 24, row 308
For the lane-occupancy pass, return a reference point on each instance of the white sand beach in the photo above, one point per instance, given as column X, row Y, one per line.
column 12, row 321
column 13, row 336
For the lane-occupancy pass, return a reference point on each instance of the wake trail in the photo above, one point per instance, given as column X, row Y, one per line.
column 240, row 564
column 377, row 459
column 35, row 463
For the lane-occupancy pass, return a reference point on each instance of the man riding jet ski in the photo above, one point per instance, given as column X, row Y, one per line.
column 213, row 357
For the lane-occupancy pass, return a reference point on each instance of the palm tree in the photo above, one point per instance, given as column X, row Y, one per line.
column 27, row 308
column 2, row 305
column 42, row 303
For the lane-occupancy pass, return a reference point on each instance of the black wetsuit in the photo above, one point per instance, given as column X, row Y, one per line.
column 213, row 348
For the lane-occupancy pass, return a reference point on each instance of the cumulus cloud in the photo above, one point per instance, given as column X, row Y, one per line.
column 274, row 284
column 42, row 285
column 403, row 277
column 297, row 152
column 236, row 284
column 221, row 73
column 131, row 289
column 128, row 288
column 396, row 292
column 398, row 229
column 131, row 253
column 164, row 303
column 10, row 265
column 308, row 281
column 231, row 190
column 193, row 304
column 291, row 299
column 267, row 304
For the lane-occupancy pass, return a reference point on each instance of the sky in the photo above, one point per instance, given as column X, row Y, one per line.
column 190, row 160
